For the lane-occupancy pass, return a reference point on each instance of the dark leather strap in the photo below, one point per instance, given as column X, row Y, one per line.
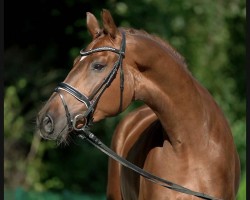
column 86, row 134
column 99, row 49
column 79, row 96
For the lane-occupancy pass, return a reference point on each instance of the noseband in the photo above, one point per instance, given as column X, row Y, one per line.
column 91, row 102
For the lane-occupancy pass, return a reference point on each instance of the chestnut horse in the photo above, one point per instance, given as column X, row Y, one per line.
column 190, row 142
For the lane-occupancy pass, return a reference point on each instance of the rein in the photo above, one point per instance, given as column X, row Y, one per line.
column 91, row 138
column 87, row 117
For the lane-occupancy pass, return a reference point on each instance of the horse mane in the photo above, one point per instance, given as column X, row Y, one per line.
column 160, row 41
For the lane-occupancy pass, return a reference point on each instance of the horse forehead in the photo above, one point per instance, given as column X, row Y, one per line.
column 103, row 40
column 97, row 42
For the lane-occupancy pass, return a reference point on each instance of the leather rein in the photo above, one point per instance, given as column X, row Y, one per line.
column 87, row 117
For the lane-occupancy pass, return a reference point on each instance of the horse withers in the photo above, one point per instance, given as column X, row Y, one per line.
column 190, row 143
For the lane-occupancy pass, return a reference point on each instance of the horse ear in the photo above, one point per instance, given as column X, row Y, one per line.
column 93, row 25
column 108, row 23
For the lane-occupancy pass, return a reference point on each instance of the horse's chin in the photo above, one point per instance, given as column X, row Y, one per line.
column 64, row 138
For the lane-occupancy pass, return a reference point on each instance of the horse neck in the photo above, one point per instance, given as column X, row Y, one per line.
column 163, row 83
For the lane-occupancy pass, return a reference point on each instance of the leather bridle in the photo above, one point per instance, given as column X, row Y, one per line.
column 91, row 102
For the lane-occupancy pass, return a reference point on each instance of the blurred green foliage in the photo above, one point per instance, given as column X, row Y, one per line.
column 21, row 194
column 40, row 45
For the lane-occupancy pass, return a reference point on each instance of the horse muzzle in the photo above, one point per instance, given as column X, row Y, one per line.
column 52, row 129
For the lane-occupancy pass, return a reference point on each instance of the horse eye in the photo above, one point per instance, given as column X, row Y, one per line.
column 98, row 66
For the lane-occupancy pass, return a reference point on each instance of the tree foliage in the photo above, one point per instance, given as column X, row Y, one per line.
column 41, row 43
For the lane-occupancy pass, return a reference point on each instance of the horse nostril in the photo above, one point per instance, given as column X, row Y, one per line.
column 47, row 124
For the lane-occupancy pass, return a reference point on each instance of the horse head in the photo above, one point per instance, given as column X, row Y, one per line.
column 95, row 86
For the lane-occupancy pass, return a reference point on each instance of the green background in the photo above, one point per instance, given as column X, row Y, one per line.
column 41, row 39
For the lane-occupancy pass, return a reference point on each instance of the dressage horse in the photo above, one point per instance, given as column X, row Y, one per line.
column 189, row 142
